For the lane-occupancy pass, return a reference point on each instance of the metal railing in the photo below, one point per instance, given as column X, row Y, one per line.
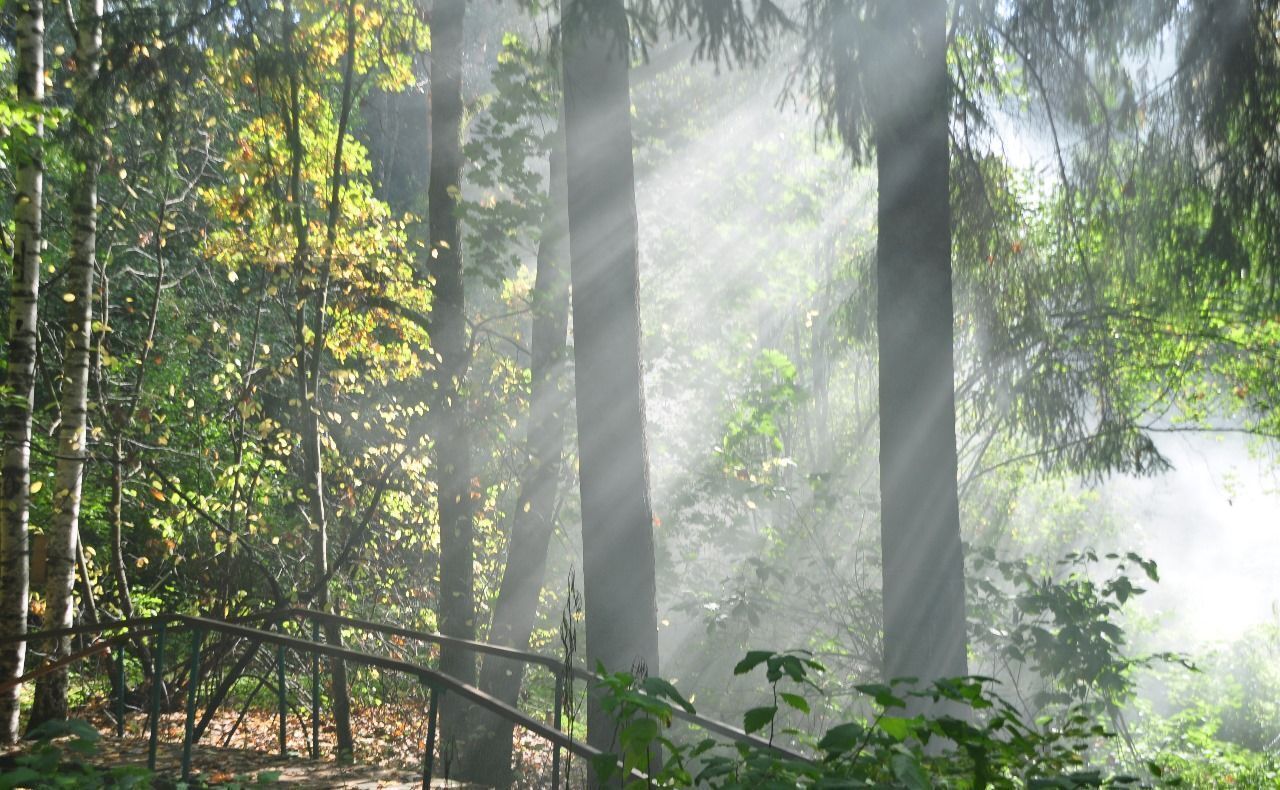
column 159, row 628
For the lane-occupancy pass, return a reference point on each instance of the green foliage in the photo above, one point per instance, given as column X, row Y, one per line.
column 752, row 441
column 641, row 707
column 508, row 144
column 1061, row 625
column 981, row 741
column 1053, row 718
column 66, row 762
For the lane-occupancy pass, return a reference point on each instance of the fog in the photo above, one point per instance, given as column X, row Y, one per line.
column 1211, row 522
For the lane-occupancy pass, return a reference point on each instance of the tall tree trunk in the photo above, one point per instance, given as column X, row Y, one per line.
column 51, row 690
column 15, row 488
column 448, row 331
column 924, row 611
column 534, row 519
column 617, row 519
column 312, row 439
column 312, row 289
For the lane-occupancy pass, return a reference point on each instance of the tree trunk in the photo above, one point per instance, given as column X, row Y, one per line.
column 118, row 570
column 51, row 690
column 312, row 292
column 534, row 519
column 28, row 157
column 924, row 612
column 449, row 339
column 617, row 519
column 333, row 634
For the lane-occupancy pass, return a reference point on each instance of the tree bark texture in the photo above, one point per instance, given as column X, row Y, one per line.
column 924, row 610
column 617, row 518
column 50, row 702
column 534, row 519
column 15, row 478
column 448, row 330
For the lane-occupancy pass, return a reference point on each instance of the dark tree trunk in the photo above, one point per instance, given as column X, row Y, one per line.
column 534, row 520
column 924, row 612
column 449, row 338
column 617, row 519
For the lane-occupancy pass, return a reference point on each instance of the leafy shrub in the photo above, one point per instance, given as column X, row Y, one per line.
column 65, row 764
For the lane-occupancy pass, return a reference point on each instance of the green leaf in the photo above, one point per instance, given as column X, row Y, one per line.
column 637, row 735
column 896, row 727
column 756, row 718
column 907, row 770
column 753, row 659
column 796, row 701
column 21, row 776
column 794, row 669
column 842, row 738
column 882, row 694
column 657, row 687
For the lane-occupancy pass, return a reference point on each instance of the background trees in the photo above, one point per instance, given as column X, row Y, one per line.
column 783, row 361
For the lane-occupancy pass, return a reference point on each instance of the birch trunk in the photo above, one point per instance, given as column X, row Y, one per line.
column 51, row 690
column 15, row 478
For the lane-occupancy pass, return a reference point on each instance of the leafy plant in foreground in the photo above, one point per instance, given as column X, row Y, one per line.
column 66, row 763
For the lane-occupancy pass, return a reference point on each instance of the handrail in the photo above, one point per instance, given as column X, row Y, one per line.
column 428, row 636
column 425, row 674
column 89, row 628
column 132, row 622
column 435, row 680
column 554, row 664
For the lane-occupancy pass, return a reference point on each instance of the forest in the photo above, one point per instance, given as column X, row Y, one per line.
column 640, row 393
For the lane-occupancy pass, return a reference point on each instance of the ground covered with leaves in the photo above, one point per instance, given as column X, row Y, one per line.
column 390, row 740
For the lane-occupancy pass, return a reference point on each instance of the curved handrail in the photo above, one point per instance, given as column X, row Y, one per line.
column 476, row 695
column 435, row 680
column 430, row 676
column 554, row 664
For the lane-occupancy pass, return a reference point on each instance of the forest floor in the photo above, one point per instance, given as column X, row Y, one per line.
column 389, row 745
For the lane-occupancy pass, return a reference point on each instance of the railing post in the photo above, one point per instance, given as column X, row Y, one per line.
column 120, row 689
column 428, row 759
column 315, row 693
column 193, row 681
column 157, row 688
column 282, row 701
column 555, row 747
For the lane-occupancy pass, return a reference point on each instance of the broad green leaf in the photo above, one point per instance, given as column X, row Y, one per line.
column 753, row 659
column 796, row 701
column 756, row 718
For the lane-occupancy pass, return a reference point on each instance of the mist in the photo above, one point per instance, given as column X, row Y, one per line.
column 663, row 392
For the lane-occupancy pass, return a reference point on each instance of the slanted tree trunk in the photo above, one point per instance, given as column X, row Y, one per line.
column 51, row 690
column 457, row 611
column 617, row 519
column 15, row 478
column 534, row 519
column 924, row 612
